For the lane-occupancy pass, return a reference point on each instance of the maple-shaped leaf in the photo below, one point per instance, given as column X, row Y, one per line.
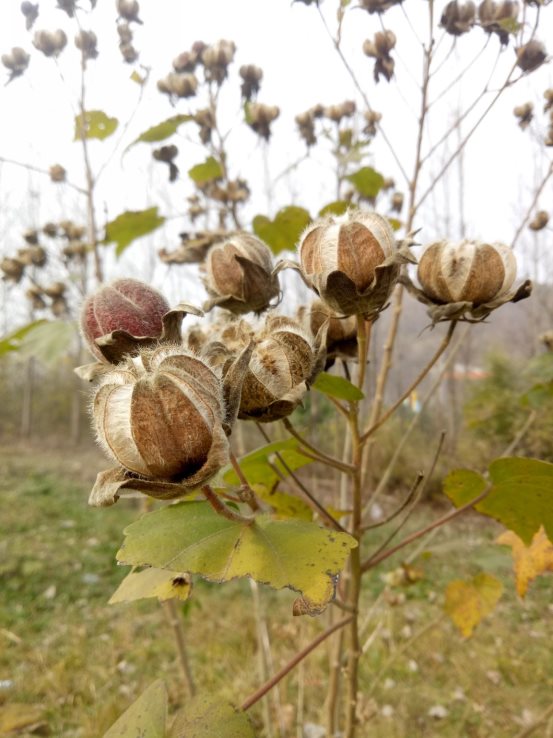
column 528, row 561
column 467, row 602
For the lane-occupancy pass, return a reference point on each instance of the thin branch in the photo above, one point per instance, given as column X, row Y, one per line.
column 32, row 168
column 383, row 418
column 262, row 691
column 398, row 510
column 520, row 435
column 374, row 560
column 175, row 621
column 222, row 509
column 247, row 494
column 316, row 453
column 528, row 731
column 532, row 205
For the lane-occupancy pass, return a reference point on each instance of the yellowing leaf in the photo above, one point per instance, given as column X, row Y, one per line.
column 94, row 124
column 18, row 715
column 130, row 225
column 468, row 602
column 528, row 561
column 207, row 171
column 208, row 717
column 284, row 505
column 160, row 583
column 192, row 537
column 145, row 718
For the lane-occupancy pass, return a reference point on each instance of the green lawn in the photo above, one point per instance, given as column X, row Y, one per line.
column 70, row 663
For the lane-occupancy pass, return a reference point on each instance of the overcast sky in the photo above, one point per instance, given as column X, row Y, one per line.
column 501, row 166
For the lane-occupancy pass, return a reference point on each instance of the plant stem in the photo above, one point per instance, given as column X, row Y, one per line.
column 536, row 724
column 262, row 691
column 317, row 454
column 222, row 509
column 374, row 560
column 175, row 621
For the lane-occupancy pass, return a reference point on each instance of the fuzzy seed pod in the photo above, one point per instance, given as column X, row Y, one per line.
column 32, row 256
column 68, row 6
column 496, row 18
column 13, row 269
column 30, row 12
column 530, row 56
column 251, row 80
column 372, row 119
column 379, row 49
column 127, row 305
column 16, row 61
column 351, row 261
column 336, row 113
column 31, row 236
column 50, row 43
column 280, row 368
column 397, row 202
column 50, row 229
column 259, row 117
column 238, row 275
column 185, row 62
column 34, row 294
column 72, row 231
column 128, row 10
column 524, row 114
column 128, row 52
column 216, row 60
column 125, row 33
column 75, row 249
column 161, row 417
column 87, row 42
column 539, row 221
column 458, row 18
column 57, row 173
column 341, row 333
column 548, row 96
column 378, row 6
column 466, row 272
column 55, row 290
column 179, row 85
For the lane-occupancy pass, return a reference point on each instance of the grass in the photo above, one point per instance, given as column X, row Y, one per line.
column 70, row 663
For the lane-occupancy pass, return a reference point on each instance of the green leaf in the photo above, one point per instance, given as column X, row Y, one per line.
column 12, row 341
column 521, row 496
column 94, row 124
column 208, row 717
column 160, row 583
column 469, row 602
column 264, row 468
column 337, row 207
column 192, row 537
column 395, row 223
column 463, row 485
column 162, row 130
column 284, row 505
column 282, row 233
column 49, row 341
column 367, row 181
column 538, row 395
column 145, row 718
column 337, row 387
column 130, row 225
column 209, row 170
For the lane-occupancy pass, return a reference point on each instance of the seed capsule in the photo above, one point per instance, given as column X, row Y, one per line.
column 239, row 275
column 351, row 261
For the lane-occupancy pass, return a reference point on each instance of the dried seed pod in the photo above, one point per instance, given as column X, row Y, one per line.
column 206, row 121
column 75, row 249
column 372, row 119
column 539, row 221
column 129, row 53
column 548, row 95
column 162, row 416
column 30, row 12
column 32, row 256
column 59, row 307
column 524, row 113
column 458, row 18
column 259, row 117
column 379, row 49
column 57, row 173
column 55, row 290
column 498, row 18
column 167, row 154
column 87, row 43
column 127, row 305
column 251, row 80
column 179, row 85
column 352, row 261
column 466, row 280
column 51, row 44
column 336, row 113
column 397, row 202
column 129, row 9
column 216, row 59
column 30, row 236
column 378, row 6
column 72, row 231
column 125, row 33
column 341, row 333
column 280, row 368
column 68, row 6
column 34, row 294
column 239, row 275
column 306, row 125
column 13, row 269
column 193, row 247
column 16, row 61
column 185, row 62
column 530, row 56
column 50, row 229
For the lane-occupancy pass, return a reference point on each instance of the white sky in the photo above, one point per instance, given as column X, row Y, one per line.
column 289, row 42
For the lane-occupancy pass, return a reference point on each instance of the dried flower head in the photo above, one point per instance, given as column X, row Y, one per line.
column 50, row 229
column 352, row 261
column 57, row 173
column 379, row 49
column 378, row 6
column 178, row 85
column 50, row 43
column 34, row 294
column 167, row 154
column 68, row 6
column 13, row 269
column 87, row 43
column 239, row 275
column 55, row 290
column 129, row 10
column 458, row 18
column 251, row 80
column 341, row 332
column 216, row 60
column 30, row 11
column 336, row 113
column 466, row 280
column 32, row 256
column 372, row 119
column 259, row 118
column 16, row 61
column 499, row 18
column 524, row 114
column 531, row 55
column 539, row 221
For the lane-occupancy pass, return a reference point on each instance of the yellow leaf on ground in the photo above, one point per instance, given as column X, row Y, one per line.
column 19, row 716
column 468, row 602
column 528, row 561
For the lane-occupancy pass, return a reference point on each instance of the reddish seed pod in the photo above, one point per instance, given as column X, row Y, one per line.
column 125, row 304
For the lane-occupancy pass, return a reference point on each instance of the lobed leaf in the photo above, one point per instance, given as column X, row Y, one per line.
column 468, row 602
column 206, row 717
column 336, row 207
column 162, row 130
column 145, row 718
column 262, row 467
column 367, row 181
column 528, row 561
column 337, row 387
column 192, row 537
column 282, row 233
column 160, row 583
column 521, row 495
column 130, row 225
column 207, row 171
column 94, row 124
